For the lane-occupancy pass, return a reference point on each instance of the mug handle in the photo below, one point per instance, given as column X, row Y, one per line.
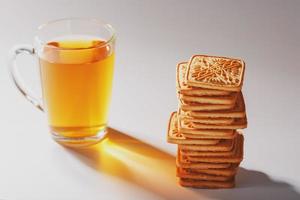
column 14, row 72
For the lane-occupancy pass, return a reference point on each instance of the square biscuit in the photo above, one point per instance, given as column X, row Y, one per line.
column 183, row 88
column 192, row 106
column 185, row 173
column 207, row 120
column 215, row 72
column 189, row 153
column 237, row 157
column 174, row 136
column 185, row 182
column 223, row 145
column 204, row 120
column 228, row 99
column 238, row 123
column 203, row 133
column 238, row 111
column 211, row 136
column 230, row 171
column 183, row 162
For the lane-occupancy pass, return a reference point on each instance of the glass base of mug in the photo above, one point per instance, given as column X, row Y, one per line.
column 78, row 142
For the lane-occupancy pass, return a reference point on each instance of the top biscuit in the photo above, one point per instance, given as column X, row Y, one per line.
column 183, row 88
column 214, row 72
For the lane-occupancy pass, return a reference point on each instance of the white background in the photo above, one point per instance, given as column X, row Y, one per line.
column 152, row 37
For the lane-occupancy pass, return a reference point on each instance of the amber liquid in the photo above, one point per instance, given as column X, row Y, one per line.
column 76, row 80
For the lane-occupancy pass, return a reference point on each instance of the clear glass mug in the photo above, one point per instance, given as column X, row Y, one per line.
column 76, row 59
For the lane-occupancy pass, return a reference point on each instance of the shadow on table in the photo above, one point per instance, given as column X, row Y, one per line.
column 154, row 170
column 254, row 185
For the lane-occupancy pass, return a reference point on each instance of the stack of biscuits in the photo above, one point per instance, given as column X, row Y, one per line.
column 207, row 125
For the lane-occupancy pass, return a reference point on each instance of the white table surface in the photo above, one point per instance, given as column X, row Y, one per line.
column 152, row 37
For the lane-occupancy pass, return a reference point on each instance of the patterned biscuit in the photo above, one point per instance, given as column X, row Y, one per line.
column 223, row 145
column 237, row 157
column 228, row 99
column 237, row 112
column 205, row 120
column 210, row 136
column 191, row 106
column 204, row 133
column 208, row 132
column 216, row 121
column 184, row 173
column 214, row 72
column 230, row 171
column 182, row 88
column 189, row 153
column 184, row 128
column 239, row 123
column 177, row 138
column 185, row 182
column 183, row 162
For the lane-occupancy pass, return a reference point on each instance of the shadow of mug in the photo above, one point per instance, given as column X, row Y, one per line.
column 154, row 170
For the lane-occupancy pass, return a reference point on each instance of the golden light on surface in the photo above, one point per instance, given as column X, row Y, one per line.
column 136, row 162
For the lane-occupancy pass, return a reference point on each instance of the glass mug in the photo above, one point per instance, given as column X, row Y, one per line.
column 76, row 60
